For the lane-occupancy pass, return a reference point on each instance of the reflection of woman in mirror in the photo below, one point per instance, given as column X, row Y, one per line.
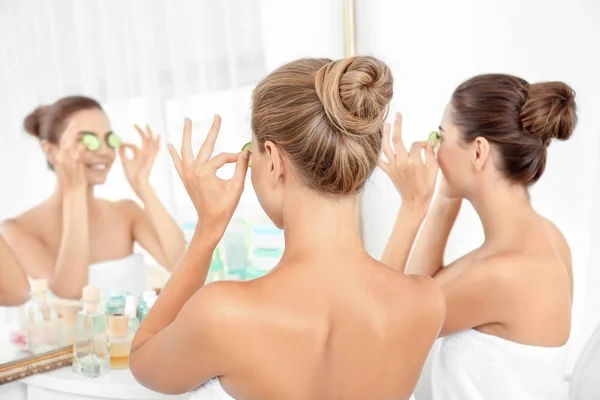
column 14, row 286
column 509, row 301
column 61, row 237
column 329, row 321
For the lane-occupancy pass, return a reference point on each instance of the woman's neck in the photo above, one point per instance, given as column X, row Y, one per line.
column 59, row 194
column 315, row 223
column 503, row 209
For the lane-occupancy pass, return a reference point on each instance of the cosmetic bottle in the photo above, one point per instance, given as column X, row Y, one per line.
column 90, row 350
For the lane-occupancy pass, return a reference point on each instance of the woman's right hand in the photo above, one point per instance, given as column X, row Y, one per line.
column 68, row 160
column 215, row 199
column 413, row 178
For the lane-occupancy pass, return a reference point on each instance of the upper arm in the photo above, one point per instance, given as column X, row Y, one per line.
column 434, row 302
column 424, row 324
column 30, row 252
column 14, row 286
column 432, row 310
column 143, row 231
column 191, row 350
column 480, row 295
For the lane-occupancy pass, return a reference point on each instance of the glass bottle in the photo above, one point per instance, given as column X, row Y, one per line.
column 148, row 299
column 115, row 305
column 68, row 328
column 216, row 270
column 43, row 327
column 131, row 312
column 120, row 340
column 90, row 350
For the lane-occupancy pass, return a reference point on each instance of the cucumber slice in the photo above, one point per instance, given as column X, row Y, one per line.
column 436, row 136
column 247, row 147
column 90, row 141
column 113, row 140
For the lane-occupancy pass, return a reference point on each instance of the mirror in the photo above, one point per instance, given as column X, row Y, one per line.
column 144, row 63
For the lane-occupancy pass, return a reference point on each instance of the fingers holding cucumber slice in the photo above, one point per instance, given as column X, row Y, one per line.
column 435, row 136
column 247, row 147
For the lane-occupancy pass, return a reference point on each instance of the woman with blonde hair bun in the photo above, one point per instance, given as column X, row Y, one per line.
column 328, row 322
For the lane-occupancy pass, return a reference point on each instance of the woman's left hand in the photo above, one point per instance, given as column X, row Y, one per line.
column 138, row 167
column 413, row 177
column 215, row 199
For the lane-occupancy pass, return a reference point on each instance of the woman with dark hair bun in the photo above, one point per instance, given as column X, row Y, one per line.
column 508, row 302
column 62, row 238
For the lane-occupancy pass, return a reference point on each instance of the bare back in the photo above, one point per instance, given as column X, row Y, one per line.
column 336, row 328
column 537, row 303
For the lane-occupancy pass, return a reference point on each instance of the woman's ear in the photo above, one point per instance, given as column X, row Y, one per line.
column 481, row 152
column 50, row 150
column 274, row 162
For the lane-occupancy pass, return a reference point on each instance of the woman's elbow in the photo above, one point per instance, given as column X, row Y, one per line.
column 134, row 365
column 142, row 372
column 16, row 295
column 63, row 291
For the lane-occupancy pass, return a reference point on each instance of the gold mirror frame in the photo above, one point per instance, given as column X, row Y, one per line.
column 24, row 367
column 349, row 22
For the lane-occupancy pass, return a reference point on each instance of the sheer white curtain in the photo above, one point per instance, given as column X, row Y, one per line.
column 148, row 62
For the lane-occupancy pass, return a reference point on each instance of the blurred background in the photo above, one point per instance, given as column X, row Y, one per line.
column 156, row 61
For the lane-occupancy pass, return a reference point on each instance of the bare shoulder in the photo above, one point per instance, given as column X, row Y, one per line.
column 222, row 305
column 502, row 274
column 128, row 208
column 416, row 298
column 124, row 205
column 10, row 226
column 18, row 228
column 501, row 267
column 559, row 242
column 25, row 223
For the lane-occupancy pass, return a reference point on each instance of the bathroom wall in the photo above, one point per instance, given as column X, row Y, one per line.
column 433, row 45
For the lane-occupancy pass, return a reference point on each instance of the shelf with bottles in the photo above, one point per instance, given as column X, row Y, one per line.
column 251, row 246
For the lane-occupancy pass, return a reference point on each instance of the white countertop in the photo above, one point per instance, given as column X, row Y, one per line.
column 116, row 384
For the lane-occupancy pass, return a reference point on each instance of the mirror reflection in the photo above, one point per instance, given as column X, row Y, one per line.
column 97, row 219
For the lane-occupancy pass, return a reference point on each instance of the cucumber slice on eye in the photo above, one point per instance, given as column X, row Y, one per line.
column 113, row 141
column 435, row 136
column 90, row 141
column 247, row 147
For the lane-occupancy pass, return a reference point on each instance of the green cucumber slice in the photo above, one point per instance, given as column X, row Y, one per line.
column 90, row 141
column 247, row 147
column 434, row 135
column 113, row 140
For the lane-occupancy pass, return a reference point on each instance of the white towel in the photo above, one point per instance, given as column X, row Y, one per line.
column 585, row 382
column 127, row 274
column 212, row 390
column 475, row 366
